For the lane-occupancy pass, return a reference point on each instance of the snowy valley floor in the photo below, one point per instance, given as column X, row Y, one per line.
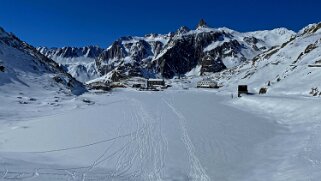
column 170, row 135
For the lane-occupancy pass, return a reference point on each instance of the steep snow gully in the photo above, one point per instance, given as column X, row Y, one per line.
column 129, row 135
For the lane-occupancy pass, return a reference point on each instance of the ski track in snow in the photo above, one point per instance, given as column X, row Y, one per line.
column 152, row 144
column 147, row 147
column 197, row 172
column 137, row 147
column 84, row 173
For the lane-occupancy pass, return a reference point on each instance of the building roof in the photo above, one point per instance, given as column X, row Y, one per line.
column 160, row 80
column 207, row 81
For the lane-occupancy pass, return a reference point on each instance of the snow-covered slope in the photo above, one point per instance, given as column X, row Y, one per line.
column 177, row 134
column 138, row 136
column 24, row 69
column 79, row 62
column 293, row 68
column 272, row 37
column 172, row 135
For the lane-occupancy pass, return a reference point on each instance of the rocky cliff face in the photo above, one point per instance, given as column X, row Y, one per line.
column 132, row 56
column 178, row 53
column 184, row 52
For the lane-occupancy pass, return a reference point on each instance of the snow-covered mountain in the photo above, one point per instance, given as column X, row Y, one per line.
column 186, row 51
column 23, row 68
column 182, row 133
column 292, row 68
column 79, row 62
column 71, row 52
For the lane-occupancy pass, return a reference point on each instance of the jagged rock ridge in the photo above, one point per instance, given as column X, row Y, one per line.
column 206, row 49
column 184, row 52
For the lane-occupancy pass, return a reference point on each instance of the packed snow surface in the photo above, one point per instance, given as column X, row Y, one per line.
column 169, row 135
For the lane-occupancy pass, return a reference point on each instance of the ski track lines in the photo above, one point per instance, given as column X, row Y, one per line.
column 78, row 173
column 142, row 155
column 124, row 161
column 197, row 172
column 152, row 144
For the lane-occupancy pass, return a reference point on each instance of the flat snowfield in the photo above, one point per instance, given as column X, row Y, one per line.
column 170, row 135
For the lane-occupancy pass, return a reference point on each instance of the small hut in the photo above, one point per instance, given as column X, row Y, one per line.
column 152, row 83
column 207, row 83
column 242, row 89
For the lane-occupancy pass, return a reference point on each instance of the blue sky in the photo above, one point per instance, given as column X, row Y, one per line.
column 57, row 23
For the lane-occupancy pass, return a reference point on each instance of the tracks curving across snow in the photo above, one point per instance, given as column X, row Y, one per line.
column 197, row 171
column 181, row 136
column 152, row 144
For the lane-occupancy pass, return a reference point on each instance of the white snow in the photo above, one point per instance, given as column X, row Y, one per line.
column 286, row 72
column 195, row 71
column 156, row 79
column 171, row 135
column 215, row 44
column 273, row 37
column 81, row 68
column 180, row 134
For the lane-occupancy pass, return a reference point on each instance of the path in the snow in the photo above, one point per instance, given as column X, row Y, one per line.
column 197, row 172
column 172, row 135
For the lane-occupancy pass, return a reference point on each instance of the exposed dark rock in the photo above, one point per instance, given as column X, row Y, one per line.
column 116, row 76
column 32, row 99
column 89, row 102
column 188, row 52
column 182, row 52
column 309, row 48
column 182, row 30
column 312, row 29
column 202, row 23
column 263, row 90
column 251, row 39
column 210, row 64
column 2, row 68
column 177, row 53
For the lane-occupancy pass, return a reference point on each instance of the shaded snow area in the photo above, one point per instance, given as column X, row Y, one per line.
column 81, row 68
column 78, row 62
column 170, row 135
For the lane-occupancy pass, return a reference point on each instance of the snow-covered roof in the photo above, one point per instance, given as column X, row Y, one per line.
column 207, row 81
column 160, row 80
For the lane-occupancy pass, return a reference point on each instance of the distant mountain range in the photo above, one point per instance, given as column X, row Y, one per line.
column 261, row 58
column 184, row 52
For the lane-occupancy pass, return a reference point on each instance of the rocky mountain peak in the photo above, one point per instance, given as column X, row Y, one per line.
column 169, row 55
column 182, row 30
column 310, row 29
column 202, row 24
column 177, row 53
